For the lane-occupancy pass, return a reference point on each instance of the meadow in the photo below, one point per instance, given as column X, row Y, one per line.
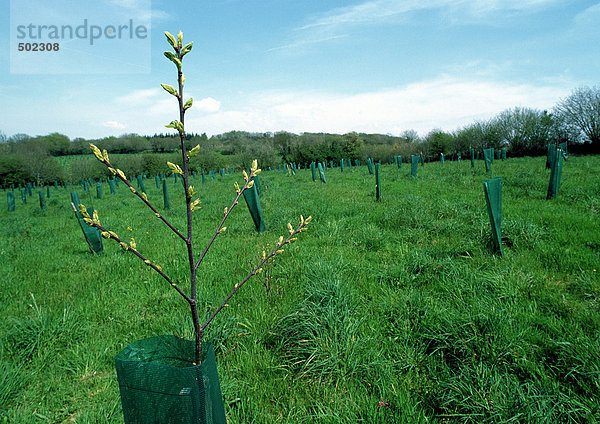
column 391, row 311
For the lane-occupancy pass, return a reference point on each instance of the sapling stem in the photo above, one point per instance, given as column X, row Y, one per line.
column 176, row 56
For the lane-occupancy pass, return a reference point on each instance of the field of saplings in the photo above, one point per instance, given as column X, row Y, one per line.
column 391, row 310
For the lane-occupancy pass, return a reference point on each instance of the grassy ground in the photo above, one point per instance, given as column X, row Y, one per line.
column 383, row 312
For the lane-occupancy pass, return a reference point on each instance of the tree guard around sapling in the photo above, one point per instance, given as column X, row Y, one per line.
column 493, row 198
column 160, row 383
column 253, row 202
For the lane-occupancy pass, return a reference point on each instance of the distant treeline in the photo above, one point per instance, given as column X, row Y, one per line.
column 522, row 131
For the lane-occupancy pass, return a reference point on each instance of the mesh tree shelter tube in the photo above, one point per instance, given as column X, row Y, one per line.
column 10, row 197
column 166, row 201
column 550, row 155
column 42, row 200
column 257, row 185
column 313, row 171
column 563, row 146
column 488, row 156
column 370, row 165
column 414, row 165
column 322, row 174
column 493, row 197
column 253, row 202
column 159, row 383
column 377, row 183
column 91, row 234
column 555, row 175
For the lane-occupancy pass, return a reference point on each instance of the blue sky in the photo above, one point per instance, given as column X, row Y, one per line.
column 381, row 66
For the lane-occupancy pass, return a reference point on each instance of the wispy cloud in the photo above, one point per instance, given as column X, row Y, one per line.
column 338, row 22
column 307, row 41
column 378, row 11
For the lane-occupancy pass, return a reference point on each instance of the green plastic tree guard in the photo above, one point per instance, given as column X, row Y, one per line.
column 458, row 157
column 441, row 157
column 29, row 189
column 140, row 184
column 555, row 175
column 157, row 181
column 414, row 165
column 472, row 153
column 166, row 201
column 399, row 161
column 341, row 165
column 159, row 383
column 313, row 171
column 42, row 200
column 550, row 155
column 253, row 202
column 377, row 183
column 322, row 173
column 10, row 197
column 504, row 153
column 493, row 197
column 99, row 190
column 370, row 165
column 91, row 234
column 488, row 157
column 24, row 196
column 257, row 185
column 111, row 185
column 421, row 159
column 563, row 146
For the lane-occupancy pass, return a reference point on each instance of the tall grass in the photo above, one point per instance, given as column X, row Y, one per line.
column 389, row 312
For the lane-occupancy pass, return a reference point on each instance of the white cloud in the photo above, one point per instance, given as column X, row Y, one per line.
column 207, row 105
column 139, row 97
column 113, row 124
column 445, row 103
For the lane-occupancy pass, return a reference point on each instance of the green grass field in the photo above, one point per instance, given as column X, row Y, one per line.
column 383, row 312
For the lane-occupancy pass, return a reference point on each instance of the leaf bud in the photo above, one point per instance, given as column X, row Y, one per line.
column 96, row 152
column 171, row 39
column 170, row 89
